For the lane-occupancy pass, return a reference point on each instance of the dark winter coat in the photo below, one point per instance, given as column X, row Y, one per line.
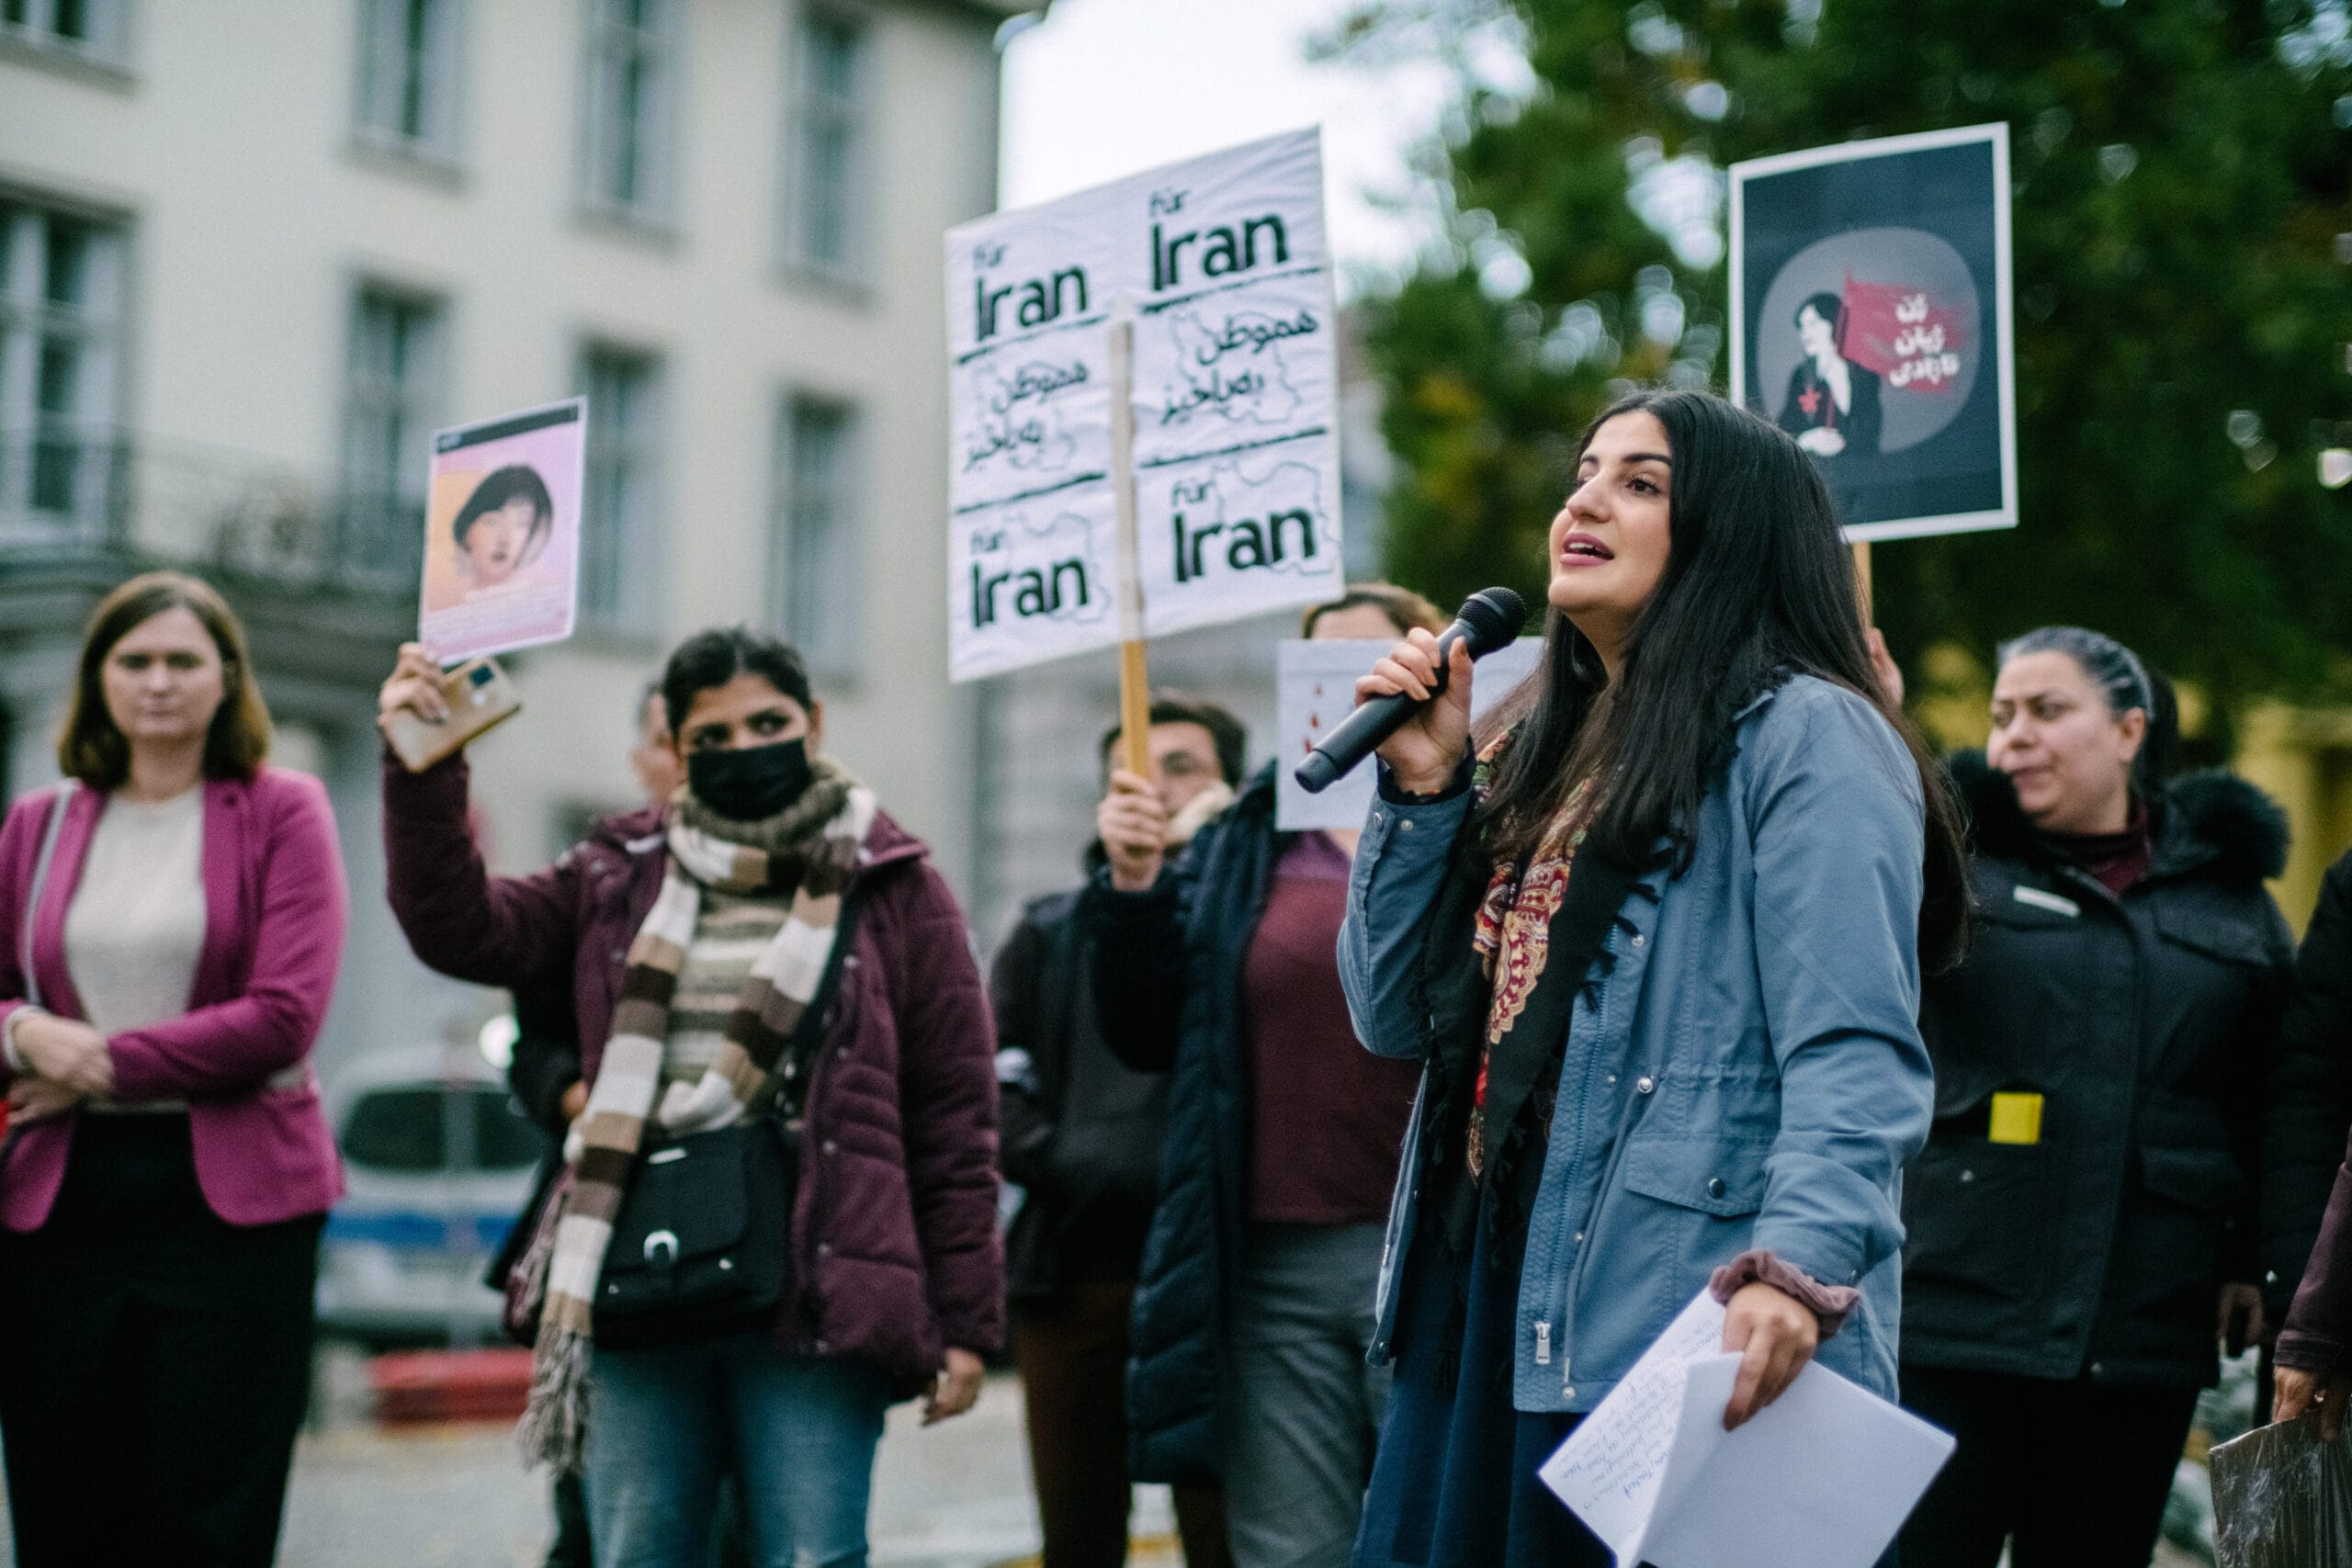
column 2306, row 1167
column 2148, row 1024
column 546, row 1062
column 894, row 1224
column 1081, row 1128
column 1167, row 987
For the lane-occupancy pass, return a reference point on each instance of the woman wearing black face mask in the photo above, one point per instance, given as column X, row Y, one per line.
column 767, row 943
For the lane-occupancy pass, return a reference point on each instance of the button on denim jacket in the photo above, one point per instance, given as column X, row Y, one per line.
column 1744, row 1068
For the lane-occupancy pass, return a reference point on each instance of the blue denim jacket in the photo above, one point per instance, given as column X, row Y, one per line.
column 1746, row 1071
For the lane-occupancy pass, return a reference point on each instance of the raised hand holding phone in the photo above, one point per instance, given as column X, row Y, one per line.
column 426, row 715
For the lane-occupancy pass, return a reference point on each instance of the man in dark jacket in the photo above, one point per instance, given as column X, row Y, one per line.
column 1081, row 1134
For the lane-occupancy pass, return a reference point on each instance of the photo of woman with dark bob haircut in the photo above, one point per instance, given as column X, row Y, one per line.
column 1655, row 931
column 168, row 1169
column 504, row 527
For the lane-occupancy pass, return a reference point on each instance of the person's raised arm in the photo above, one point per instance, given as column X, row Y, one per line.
column 1133, row 917
column 459, row 919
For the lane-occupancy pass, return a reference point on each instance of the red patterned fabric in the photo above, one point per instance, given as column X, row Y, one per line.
column 1513, row 939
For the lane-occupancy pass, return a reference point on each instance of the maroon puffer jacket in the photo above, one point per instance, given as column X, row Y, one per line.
column 897, row 1209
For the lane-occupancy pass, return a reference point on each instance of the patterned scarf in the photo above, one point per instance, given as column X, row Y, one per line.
column 1513, row 938
column 806, row 855
column 1535, row 931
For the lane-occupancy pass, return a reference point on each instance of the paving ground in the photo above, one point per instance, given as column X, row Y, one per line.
column 953, row 1497
column 456, row 1497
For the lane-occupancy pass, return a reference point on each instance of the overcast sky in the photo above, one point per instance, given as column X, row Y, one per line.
column 1105, row 88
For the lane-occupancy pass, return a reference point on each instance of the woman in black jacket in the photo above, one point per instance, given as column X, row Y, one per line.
column 2082, row 1221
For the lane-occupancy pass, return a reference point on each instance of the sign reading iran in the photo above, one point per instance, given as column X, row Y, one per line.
column 1236, row 457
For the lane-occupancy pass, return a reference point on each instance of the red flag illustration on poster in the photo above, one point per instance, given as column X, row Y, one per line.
column 1903, row 334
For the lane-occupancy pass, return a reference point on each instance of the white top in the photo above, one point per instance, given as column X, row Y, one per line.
column 135, row 929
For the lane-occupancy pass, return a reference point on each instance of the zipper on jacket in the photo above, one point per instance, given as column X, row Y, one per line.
column 1543, row 1344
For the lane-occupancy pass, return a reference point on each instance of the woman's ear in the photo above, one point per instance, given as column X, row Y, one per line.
column 816, row 726
column 2132, row 733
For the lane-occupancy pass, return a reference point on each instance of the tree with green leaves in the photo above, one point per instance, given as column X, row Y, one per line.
column 2183, row 204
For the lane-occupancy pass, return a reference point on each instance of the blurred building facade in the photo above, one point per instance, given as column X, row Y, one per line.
column 253, row 252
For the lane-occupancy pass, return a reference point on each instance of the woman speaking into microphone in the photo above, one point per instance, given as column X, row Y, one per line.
column 1655, row 933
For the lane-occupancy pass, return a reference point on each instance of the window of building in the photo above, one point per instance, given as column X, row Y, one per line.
column 61, row 322
column 827, row 199
column 630, row 95
column 820, row 576
column 389, row 402
column 408, row 76
column 95, row 30
column 620, row 558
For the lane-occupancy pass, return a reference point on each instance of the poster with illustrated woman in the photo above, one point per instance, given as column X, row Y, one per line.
column 1871, row 321
column 501, row 533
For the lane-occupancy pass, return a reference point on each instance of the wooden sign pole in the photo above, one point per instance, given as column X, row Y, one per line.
column 1863, row 580
column 1134, row 679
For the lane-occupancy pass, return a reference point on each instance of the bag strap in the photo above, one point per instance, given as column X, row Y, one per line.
column 50, row 832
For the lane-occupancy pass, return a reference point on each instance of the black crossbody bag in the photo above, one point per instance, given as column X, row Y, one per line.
column 702, row 1246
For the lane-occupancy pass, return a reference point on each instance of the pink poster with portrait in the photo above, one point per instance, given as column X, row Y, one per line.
column 501, row 533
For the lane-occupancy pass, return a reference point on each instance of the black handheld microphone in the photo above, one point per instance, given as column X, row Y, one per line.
column 1488, row 621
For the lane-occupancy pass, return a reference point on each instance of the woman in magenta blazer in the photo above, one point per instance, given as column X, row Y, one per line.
column 170, row 922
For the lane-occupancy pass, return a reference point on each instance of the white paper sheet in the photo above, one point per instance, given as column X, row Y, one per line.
column 1821, row 1478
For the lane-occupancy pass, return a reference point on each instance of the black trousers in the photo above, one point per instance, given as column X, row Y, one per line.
column 158, row 1362
column 1073, row 1353
column 2074, row 1473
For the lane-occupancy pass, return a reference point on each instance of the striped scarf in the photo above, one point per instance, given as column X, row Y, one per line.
column 812, row 851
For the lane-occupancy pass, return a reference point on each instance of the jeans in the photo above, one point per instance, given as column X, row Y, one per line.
column 666, row 1424
column 1307, row 1408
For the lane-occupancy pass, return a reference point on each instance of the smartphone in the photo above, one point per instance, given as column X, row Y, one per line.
column 481, row 698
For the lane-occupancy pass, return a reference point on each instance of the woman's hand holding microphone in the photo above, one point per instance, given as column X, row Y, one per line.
column 1426, row 751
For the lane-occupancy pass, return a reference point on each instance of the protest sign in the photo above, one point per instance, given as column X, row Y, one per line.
column 501, row 533
column 1871, row 319
column 1315, row 689
column 1233, row 389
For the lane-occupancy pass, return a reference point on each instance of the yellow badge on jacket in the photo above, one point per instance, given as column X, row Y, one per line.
column 2017, row 1119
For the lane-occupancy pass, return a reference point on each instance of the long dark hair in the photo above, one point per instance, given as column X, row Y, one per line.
column 1757, row 587
column 517, row 481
